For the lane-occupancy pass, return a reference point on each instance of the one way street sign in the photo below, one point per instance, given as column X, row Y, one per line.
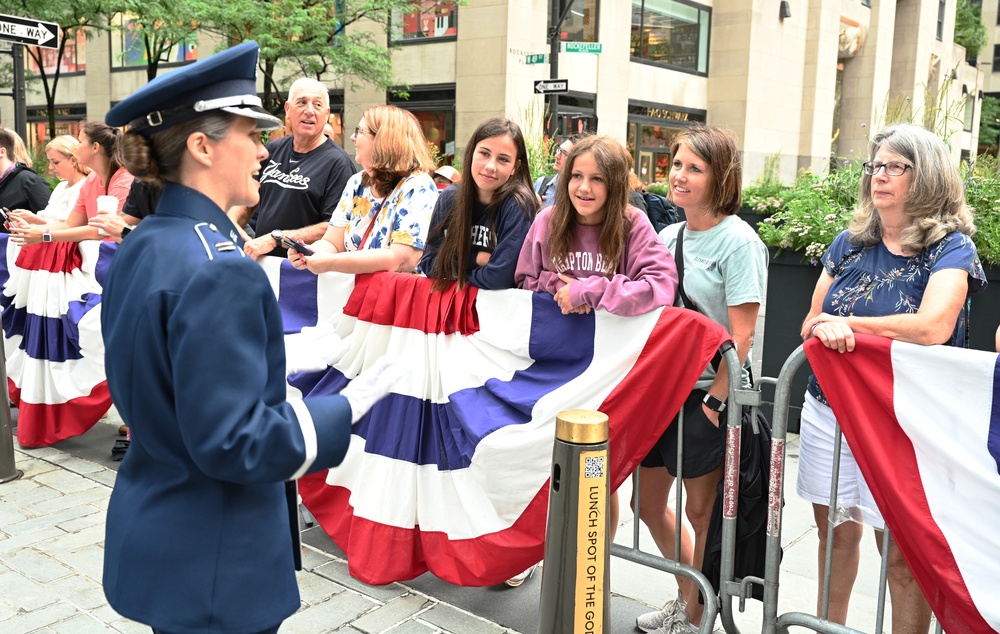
column 544, row 86
column 28, row 31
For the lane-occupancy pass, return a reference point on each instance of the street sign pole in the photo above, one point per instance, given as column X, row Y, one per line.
column 20, row 97
column 556, row 7
column 18, row 31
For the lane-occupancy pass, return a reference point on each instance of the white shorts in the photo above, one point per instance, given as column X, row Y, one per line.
column 816, row 439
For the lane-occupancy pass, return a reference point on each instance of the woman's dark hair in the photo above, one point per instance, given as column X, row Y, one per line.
column 456, row 246
column 110, row 139
column 615, row 164
column 157, row 158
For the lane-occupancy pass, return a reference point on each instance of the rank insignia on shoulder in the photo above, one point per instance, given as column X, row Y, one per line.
column 225, row 245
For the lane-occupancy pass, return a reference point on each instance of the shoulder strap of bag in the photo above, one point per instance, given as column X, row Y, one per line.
column 545, row 183
column 679, row 263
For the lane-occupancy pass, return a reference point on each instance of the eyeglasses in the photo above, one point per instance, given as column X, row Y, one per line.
column 892, row 169
column 358, row 131
column 561, row 152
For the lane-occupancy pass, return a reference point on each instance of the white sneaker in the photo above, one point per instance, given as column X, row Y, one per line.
column 676, row 626
column 681, row 625
column 654, row 621
column 520, row 578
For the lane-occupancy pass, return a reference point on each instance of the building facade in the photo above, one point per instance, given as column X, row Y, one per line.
column 796, row 79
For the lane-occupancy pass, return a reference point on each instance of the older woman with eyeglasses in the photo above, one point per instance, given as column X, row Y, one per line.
column 384, row 214
column 903, row 269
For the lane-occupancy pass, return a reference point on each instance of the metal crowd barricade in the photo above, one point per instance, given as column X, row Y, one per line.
column 772, row 622
column 729, row 587
column 8, row 470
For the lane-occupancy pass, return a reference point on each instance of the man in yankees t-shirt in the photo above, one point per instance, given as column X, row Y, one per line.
column 302, row 178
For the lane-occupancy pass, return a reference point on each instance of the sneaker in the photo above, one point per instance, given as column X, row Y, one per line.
column 675, row 626
column 681, row 625
column 654, row 621
column 520, row 578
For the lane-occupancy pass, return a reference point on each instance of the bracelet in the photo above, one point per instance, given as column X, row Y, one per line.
column 812, row 331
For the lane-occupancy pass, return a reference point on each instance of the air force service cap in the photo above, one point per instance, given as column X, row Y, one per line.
column 226, row 81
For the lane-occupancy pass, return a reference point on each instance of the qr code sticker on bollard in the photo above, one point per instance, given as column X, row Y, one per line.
column 594, row 467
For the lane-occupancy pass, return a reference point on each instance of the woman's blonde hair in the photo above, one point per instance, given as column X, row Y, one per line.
column 68, row 146
column 935, row 202
column 615, row 164
column 16, row 150
column 399, row 147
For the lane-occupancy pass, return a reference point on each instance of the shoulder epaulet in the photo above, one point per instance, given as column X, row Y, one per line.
column 216, row 243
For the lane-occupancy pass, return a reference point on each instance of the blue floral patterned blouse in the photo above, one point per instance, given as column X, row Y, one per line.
column 402, row 217
column 874, row 282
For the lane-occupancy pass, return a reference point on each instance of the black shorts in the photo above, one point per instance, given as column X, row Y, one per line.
column 704, row 443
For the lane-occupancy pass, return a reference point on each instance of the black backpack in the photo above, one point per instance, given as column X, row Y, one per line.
column 661, row 211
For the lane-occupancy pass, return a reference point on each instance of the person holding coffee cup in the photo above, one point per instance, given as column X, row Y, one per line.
column 100, row 150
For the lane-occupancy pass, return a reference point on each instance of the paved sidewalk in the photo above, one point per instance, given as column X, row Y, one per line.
column 52, row 555
column 51, row 559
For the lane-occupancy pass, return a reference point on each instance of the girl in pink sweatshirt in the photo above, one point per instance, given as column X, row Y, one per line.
column 591, row 249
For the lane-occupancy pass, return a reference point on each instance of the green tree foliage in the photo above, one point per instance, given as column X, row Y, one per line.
column 161, row 25
column 71, row 16
column 313, row 37
column 989, row 121
column 969, row 29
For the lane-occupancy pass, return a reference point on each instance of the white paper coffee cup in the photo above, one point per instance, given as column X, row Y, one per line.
column 107, row 204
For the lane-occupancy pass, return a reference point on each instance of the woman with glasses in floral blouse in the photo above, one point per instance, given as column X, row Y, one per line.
column 384, row 213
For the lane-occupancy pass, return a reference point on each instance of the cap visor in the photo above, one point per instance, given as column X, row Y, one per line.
column 265, row 120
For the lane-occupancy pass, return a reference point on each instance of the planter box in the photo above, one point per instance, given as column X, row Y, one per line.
column 985, row 315
column 790, row 284
column 750, row 216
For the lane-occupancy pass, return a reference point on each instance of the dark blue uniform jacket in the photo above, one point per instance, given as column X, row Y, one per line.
column 198, row 534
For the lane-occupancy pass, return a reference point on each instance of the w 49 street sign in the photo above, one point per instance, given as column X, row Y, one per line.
column 28, row 31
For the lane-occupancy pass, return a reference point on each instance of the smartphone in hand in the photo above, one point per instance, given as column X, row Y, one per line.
column 292, row 244
column 5, row 214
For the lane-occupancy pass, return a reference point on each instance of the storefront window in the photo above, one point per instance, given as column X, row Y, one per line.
column 129, row 49
column 580, row 24
column 429, row 19
column 651, row 132
column 672, row 33
column 336, row 119
column 69, row 120
column 434, row 108
column 74, row 57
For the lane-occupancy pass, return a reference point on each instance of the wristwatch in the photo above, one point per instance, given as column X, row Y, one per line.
column 47, row 236
column 126, row 230
column 714, row 404
column 276, row 235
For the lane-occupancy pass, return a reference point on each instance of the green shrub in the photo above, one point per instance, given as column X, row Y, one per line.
column 809, row 214
column 982, row 194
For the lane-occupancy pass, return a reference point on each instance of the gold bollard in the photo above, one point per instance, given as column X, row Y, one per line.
column 576, row 581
